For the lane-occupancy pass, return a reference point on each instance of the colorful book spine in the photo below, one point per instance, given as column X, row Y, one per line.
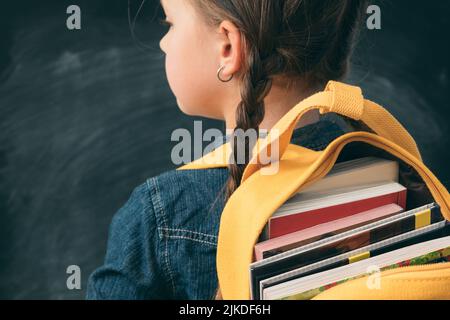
column 439, row 256
column 418, row 220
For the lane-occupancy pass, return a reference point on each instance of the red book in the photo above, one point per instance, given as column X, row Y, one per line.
column 300, row 214
column 296, row 239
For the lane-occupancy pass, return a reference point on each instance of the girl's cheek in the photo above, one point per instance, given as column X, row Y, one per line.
column 171, row 73
column 177, row 69
column 189, row 74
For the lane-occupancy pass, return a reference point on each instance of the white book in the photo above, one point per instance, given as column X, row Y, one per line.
column 357, row 172
column 318, row 200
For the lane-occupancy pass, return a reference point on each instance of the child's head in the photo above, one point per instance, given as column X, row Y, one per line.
column 260, row 44
column 256, row 41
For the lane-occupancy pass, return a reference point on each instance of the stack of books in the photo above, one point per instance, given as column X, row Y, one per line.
column 340, row 227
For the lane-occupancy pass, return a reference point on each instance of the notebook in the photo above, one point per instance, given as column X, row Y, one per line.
column 430, row 232
column 344, row 242
column 314, row 281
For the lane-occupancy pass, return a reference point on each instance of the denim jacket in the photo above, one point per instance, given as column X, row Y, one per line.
column 162, row 242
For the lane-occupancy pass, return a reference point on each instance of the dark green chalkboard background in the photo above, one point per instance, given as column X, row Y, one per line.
column 86, row 116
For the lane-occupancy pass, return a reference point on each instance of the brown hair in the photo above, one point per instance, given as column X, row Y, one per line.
column 311, row 40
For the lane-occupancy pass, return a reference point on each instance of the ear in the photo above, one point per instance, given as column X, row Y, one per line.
column 231, row 48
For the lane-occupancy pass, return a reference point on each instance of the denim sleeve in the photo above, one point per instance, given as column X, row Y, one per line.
column 131, row 269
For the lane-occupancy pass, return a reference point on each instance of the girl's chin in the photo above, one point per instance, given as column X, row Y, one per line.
column 197, row 112
column 186, row 111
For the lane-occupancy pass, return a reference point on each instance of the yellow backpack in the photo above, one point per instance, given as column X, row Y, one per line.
column 260, row 195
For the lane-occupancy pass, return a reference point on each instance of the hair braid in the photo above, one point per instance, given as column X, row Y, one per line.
column 256, row 84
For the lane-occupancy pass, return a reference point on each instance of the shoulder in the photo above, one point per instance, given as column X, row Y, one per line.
column 138, row 207
column 181, row 204
column 175, row 182
column 188, row 203
column 132, row 268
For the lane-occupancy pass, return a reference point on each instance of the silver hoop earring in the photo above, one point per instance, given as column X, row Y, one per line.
column 220, row 78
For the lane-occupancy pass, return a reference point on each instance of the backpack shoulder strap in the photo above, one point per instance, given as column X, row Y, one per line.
column 340, row 98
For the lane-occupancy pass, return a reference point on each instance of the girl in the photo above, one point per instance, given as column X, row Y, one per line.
column 246, row 62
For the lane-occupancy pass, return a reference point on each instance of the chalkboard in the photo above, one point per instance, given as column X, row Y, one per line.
column 86, row 115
